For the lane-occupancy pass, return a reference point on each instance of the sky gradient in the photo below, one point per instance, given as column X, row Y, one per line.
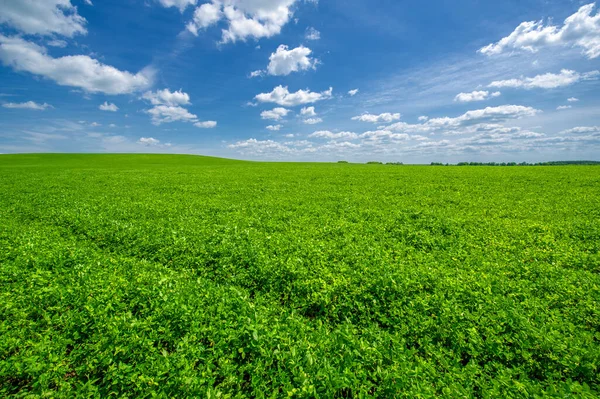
column 300, row 80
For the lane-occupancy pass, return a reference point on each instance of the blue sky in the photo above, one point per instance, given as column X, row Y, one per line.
column 303, row 80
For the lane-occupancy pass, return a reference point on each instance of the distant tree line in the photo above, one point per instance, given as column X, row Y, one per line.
column 552, row 163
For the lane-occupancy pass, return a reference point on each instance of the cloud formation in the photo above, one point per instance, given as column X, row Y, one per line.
column 282, row 96
column 244, row 18
column 46, row 17
column 386, row 117
column 108, row 107
column 167, row 97
column 566, row 77
column 475, row 96
column 283, row 61
column 28, row 105
column 275, row 114
column 312, row 34
column 179, row 4
column 76, row 71
column 581, row 30
column 168, row 108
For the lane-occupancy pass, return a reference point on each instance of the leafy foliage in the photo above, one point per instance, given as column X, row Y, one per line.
column 181, row 276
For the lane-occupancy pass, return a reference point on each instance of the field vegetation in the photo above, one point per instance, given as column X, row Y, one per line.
column 184, row 276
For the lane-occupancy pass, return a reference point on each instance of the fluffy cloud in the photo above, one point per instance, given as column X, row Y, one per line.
column 57, row 43
column 274, row 128
column 108, row 107
column 384, row 135
column 580, row 30
column 469, row 122
column 488, row 114
column 572, row 100
column 149, row 141
column 475, row 96
column 312, row 34
column 180, row 4
column 168, row 107
column 326, row 134
column 381, row 118
column 312, row 121
column 244, row 18
column 275, row 114
column 206, row 124
column 566, row 77
column 353, row 92
column 45, row 17
column 27, row 105
column 308, row 111
column 423, row 118
column 582, row 130
column 168, row 113
column 205, row 16
column 563, row 107
column 167, row 97
column 281, row 96
column 259, row 146
column 75, row 71
column 283, row 61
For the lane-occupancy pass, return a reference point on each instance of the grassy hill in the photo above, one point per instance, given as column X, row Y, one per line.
column 187, row 276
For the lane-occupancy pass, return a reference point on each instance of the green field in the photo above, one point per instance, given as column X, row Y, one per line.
column 184, row 276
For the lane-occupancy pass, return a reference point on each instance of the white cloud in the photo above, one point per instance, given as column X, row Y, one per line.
column 353, row 92
column 274, row 128
column 283, row 61
column 469, row 122
column 167, row 97
column 148, row 141
column 180, row 4
column 308, row 111
column 108, row 107
column 256, row 74
column 562, row 107
column 579, row 30
column 281, row 96
column 168, row 107
column 169, row 113
column 381, row 135
column 572, row 100
column 75, row 71
column 312, row 121
column 57, row 43
column 326, row 134
column 206, row 124
column 28, row 105
column 204, row 16
column 582, row 130
column 312, row 34
column 259, row 146
column 386, row 117
column 493, row 114
column 475, row 96
column 43, row 17
column 566, row 77
column 275, row 114
column 95, row 124
column 423, row 118
column 244, row 18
